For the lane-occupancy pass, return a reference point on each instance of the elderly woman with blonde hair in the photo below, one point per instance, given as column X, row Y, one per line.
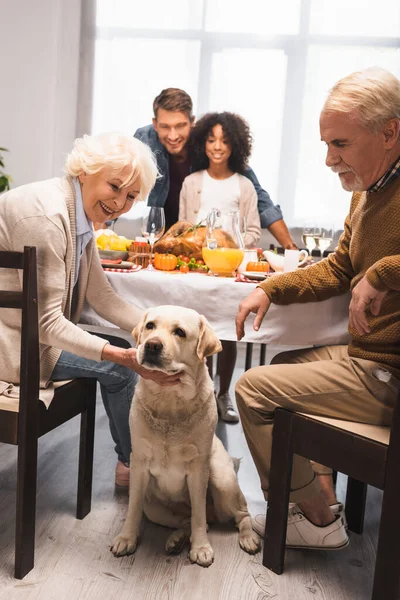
column 105, row 176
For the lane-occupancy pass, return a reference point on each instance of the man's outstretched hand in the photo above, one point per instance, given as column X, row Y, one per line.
column 257, row 302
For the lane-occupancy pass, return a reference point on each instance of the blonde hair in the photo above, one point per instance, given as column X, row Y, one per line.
column 374, row 93
column 92, row 153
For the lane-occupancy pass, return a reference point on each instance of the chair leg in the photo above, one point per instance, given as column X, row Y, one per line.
column 86, row 449
column 249, row 356
column 263, row 350
column 26, row 503
column 356, row 496
column 278, row 493
column 387, row 565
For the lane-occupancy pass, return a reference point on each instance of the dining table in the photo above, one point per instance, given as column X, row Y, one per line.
column 218, row 299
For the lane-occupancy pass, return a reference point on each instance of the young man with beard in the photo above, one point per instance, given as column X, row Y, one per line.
column 360, row 125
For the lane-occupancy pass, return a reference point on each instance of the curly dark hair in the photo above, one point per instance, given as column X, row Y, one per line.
column 238, row 135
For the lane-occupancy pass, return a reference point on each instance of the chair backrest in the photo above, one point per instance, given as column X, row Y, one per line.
column 27, row 301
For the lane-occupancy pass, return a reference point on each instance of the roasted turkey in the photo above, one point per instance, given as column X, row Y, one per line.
column 186, row 238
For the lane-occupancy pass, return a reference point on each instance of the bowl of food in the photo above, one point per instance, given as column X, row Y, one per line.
column 112, row 246
column 113, row 254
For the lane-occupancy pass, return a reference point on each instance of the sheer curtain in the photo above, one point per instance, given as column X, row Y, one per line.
column 271, row 62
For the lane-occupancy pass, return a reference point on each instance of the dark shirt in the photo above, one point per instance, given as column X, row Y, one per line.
column 177, row 173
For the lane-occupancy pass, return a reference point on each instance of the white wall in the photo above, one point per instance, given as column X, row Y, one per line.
column 39, row 50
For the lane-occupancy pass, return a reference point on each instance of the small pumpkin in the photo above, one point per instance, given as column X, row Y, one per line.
column 165, row 262
column 261, row 266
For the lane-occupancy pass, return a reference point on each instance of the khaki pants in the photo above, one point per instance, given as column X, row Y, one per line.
column 320, row 381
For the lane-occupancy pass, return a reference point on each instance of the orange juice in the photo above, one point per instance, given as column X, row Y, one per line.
column 223, row 261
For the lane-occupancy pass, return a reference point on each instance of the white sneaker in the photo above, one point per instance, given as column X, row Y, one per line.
column 225, row 408
column 301, row 533
column 338, row 509
column 258, row 524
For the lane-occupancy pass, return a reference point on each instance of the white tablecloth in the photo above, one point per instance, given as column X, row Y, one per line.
column 316, row 323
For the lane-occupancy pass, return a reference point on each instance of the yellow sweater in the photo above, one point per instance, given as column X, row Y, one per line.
column 369, row 245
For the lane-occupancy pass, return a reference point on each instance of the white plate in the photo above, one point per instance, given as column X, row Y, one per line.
column 122, row 265
column 258, row 275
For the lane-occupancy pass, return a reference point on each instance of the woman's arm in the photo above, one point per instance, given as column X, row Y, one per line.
column 55, row 329
column 50, row 240
column 105, row 301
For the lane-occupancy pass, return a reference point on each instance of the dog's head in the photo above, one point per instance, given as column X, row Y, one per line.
column 170, row 338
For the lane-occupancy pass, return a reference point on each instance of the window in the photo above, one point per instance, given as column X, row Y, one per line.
column 271, row 62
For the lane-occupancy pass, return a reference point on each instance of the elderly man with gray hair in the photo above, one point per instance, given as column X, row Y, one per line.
column 360, row 125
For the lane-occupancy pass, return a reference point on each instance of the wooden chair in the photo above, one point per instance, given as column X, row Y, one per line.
column 368, row 454
column 23, row 423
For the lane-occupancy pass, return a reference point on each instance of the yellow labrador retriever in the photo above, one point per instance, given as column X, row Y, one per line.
column 181, row 475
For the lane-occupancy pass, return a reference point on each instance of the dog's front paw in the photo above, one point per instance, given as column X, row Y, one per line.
column 202, row 555
column 122, row 545
column 250, row 542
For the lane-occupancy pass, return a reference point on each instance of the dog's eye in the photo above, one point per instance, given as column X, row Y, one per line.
column 180, row 332
column 150, row 325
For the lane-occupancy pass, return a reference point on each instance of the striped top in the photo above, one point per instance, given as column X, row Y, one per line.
column 391, row 174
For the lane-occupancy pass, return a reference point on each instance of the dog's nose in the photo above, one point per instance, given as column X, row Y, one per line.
column 154, row 346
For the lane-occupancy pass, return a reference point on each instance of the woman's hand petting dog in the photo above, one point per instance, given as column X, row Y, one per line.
column 128, row 357
column 158, row 376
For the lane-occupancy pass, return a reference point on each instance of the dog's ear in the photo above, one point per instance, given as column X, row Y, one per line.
column 137, row 332
column 208, row 342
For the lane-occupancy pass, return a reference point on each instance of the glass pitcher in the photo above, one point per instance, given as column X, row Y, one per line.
column 223, row 248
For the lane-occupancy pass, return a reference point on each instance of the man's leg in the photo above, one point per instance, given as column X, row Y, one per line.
column 324, row 473
column 323, row 381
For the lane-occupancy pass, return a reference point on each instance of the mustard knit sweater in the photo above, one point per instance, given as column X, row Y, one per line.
column 369, row 245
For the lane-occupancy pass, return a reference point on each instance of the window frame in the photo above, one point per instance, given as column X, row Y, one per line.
column 295, row 46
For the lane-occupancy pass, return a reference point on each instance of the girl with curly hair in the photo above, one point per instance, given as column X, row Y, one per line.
column 219, row 147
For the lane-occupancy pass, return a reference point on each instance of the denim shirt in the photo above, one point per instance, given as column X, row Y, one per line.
column 269, row 213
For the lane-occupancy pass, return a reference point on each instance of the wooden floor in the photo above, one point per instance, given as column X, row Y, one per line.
column 73, row 560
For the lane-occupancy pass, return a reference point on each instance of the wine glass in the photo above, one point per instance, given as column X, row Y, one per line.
column 310, row 236
column 326, row 238
column 153, row 226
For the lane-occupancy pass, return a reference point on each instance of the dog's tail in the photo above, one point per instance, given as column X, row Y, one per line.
column 236, row 464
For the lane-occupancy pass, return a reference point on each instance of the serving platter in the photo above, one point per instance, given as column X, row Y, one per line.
column 124, row 264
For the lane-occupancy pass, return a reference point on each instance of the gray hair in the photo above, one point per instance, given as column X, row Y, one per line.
column 373, row 92
column 92, row 153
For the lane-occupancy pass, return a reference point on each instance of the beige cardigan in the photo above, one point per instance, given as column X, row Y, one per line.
column 190, row 201
column 42, row 214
